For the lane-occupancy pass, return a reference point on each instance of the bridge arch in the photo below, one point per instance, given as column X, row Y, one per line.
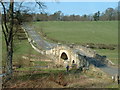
column 64, row 55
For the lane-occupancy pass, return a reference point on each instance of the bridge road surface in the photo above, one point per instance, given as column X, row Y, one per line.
column 41, row 43
column 46, row 45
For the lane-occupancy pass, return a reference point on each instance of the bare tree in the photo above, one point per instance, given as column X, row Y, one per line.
column 8, row 30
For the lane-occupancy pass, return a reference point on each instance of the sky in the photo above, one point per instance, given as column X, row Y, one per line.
column 78, row 8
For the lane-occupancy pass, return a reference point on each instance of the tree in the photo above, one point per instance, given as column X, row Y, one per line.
column 96, row 16
column 57, row 16
column 8, row 30
column 84, row 17
column 109, row 13
column 65, row 18
column 42, row 17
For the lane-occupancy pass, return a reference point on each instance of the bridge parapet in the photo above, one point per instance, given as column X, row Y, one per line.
column 86, row 51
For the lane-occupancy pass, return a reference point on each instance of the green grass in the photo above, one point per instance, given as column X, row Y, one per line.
column 80, row 32
column 111, row 54
column 41, row 63
column 21, row 48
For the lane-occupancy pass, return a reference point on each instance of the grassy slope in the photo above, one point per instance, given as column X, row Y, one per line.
column 83, row 32
column 21, row 48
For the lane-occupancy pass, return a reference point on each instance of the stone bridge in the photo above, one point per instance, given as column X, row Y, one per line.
column 64, row 54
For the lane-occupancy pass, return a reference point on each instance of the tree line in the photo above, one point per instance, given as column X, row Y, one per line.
column 108, row 15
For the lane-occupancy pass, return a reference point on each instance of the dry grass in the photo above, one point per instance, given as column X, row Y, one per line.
column 92, row 78
column 89, row 79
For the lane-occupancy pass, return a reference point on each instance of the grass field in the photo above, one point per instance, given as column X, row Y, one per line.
column 101, row 32
column 81, row 32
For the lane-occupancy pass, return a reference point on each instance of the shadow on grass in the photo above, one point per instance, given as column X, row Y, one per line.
column 46, row 73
